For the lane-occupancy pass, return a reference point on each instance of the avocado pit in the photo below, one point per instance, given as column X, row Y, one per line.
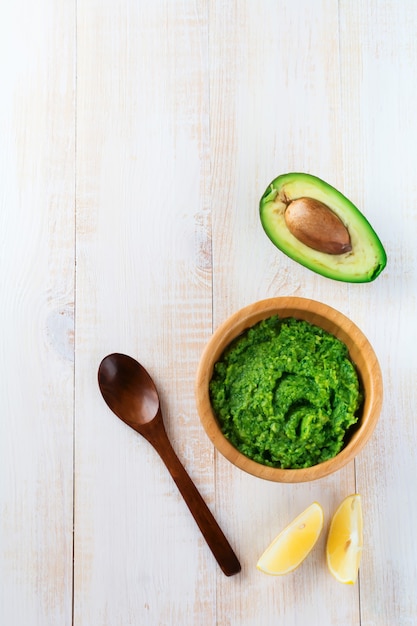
column 314, row 224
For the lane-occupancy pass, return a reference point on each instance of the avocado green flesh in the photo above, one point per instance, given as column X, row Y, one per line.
column 286, row 393
column 362, row 264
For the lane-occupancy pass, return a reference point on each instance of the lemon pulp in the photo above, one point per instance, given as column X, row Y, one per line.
column 289, row 549
column 345, row 540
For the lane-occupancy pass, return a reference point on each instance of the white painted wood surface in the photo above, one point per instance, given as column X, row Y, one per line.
column 136, row 140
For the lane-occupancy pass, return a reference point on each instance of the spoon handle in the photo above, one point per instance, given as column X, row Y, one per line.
column 210, row 529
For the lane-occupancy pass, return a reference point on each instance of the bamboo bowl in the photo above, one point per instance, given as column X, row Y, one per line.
column 331, row 320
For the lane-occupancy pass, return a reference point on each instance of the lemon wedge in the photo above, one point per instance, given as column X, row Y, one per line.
column 294, row 543
column 345, row 540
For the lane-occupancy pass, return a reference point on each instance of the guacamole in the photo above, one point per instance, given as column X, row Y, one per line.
column 285, row 392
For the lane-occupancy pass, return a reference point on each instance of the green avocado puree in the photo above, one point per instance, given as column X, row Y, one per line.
column 285, row 392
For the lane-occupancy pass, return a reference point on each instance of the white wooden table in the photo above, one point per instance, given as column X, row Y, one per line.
column 136, row 138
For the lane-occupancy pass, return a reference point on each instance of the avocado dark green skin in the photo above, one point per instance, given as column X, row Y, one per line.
column 362, row 264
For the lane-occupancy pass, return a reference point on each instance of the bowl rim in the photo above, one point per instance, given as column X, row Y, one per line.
column 360, row 350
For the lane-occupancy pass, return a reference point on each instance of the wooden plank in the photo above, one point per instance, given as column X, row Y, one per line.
column 143, row 288
column 37, row 157
column 379, row 89
column 274, row 108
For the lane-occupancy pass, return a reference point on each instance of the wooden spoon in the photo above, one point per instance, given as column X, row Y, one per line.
column 131, row 394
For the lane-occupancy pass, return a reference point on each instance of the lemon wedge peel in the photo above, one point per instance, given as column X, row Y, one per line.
column 293, row 544
column 345, row 540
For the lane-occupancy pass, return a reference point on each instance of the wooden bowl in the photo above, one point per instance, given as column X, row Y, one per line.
column 331, row 320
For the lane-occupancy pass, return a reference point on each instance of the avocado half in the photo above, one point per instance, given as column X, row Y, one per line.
column 361, row 260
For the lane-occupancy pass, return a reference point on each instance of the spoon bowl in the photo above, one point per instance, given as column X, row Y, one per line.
column 128, row 390
column 131, row 394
